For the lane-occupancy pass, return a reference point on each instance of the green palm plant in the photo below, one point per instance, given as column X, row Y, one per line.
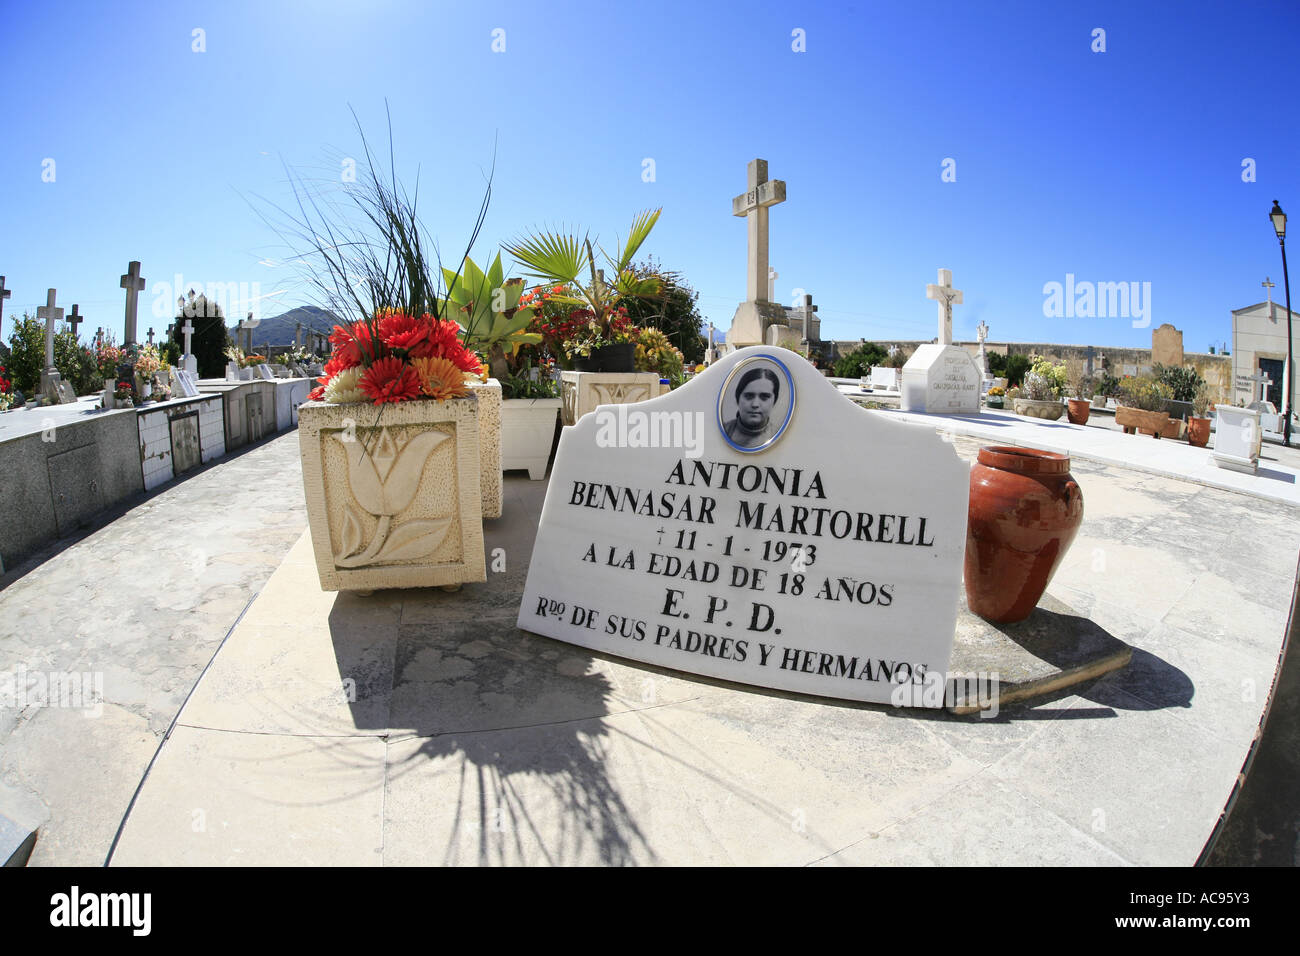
column 487, row 308
column 553, row 258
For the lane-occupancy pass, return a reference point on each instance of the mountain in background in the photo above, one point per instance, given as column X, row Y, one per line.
column 280, row 329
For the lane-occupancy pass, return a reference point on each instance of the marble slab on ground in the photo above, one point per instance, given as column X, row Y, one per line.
column 471, row 742
column 1054, row 648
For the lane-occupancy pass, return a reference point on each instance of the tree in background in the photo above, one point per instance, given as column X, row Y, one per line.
column 75, row 363
column 210, row 339
column 1016, row 367
column 997, row 364
column 674, row 312
column 857, row 363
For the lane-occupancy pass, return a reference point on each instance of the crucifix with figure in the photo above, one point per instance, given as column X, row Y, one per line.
column 133, row 283
column 982, row 333
column 947, row 297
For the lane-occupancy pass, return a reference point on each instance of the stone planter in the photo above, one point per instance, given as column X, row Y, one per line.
column 1078, row 409
column 1138, row 420
column 397, row 503
column 1048, row 411
column 528, row 434
column 1025, row 510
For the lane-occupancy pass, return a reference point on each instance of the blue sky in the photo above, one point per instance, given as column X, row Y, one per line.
column 1115, row 166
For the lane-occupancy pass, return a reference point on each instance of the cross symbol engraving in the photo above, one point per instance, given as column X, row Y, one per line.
column 75, row 318
column 4, row 294
column 754, row 206
column 133, row 283
column 50, row 314
column 947, row 297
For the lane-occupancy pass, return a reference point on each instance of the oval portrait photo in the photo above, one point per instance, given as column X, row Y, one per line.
column 755, row 403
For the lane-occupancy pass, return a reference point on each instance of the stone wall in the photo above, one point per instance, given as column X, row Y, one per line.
column 1215, row 369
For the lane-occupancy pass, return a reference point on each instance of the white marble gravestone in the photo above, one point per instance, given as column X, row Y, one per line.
column 1237, row 439
column 264, row 371
column 942, row 377
column 755, row 541
column 188, row 361
column 885, row 378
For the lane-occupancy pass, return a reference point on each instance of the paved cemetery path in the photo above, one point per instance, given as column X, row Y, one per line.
column 140, row 605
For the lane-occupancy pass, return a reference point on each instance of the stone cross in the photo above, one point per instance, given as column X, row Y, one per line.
column 806, row 311
column 982, row 333
column 753, row 205
column 1268, row 289
column 947, row 297
column 151, row 336
column 187, row 330
column 133, row 283
column 50, row 314
column 4, row 294
column 1264, row 382
column 75, row 318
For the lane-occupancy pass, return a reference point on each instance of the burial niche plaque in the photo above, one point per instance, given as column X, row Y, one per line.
column 742, row 527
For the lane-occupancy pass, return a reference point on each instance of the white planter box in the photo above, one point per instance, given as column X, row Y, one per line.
column 398, row 504
column 528, row 434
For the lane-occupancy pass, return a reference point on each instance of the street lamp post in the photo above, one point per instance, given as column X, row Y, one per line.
column 1279, row 226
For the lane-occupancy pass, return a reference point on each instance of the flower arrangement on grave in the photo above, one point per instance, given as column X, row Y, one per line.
column 1145, row 393
column 124, row 390
column 252, row 361
column 147, row 362
column 6, row 391
column 398, row 358
column 997, row 391
column 1045, row 381
column 107, row 357
column 568, row 261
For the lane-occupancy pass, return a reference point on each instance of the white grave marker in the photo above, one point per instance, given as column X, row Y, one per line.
column 265, row 372
column 942, row 377
column 188, row 361
column 710, row 530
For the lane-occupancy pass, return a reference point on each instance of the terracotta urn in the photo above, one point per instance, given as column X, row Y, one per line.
column 1198, row 431
column 1025, row 510
column 1078, row 410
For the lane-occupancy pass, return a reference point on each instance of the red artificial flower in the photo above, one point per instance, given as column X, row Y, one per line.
column 390, row 380
column 402, row 331
column 317, row 393
column 354, row 345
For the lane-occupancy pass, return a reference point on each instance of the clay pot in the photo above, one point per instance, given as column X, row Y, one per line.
column 1078, row 411
column 1025, row 510
column 1198, row 431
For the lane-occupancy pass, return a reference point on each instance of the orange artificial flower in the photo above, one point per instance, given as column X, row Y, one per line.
column 440, row 378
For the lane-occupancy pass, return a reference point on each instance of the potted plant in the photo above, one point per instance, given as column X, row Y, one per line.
column 1042, row 389
column 995, row 397
column 1183, row 382
column 400, row 441
column 1198, row 425
column 1142, row 406
column 530, row 413
column 1080, row 406
column 567, row 260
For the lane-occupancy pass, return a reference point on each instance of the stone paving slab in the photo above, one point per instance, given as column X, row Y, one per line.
column 141, row 605
column 1278, row 478
column 482, row 744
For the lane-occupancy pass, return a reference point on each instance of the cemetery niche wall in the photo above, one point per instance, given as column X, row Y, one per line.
column 739, row 527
